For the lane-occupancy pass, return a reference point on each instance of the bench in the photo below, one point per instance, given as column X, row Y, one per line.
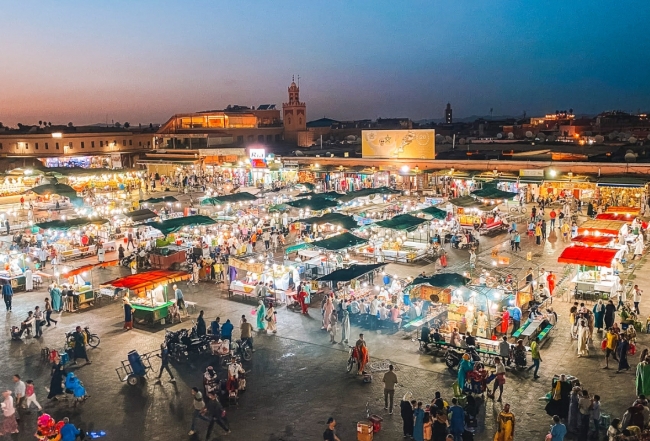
column 542, row 337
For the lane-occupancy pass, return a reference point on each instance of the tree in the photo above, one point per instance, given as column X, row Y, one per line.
column 118, row 125
column 40, row 123
column 550, row 138
column 612, row 136
column 440, row 139
column 49, row 123
column 630, row 156
column 448, row 140
column 571, row 111
column 541, row 136
column 499, row 135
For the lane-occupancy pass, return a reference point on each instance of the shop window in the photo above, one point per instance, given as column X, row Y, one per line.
column 92, row 144
column 130, row 142
column 57, row 146
column 47, row 146
column 36, row 146
column 139, row 143
column 83, row 145
column 101, row 143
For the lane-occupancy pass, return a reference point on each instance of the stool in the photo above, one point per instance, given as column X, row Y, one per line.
column 189, row 305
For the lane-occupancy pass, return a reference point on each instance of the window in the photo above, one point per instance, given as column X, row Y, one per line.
column 124, row 142
column 47, row 146
column 26, row 146
column 0, row 146
column 240, row 140
column 70, row 145
column 250, row 138
column 83, row 146
column 148, row 143
column 92, row 144
column 140, row 143
column 101, row 143
column 36, row 146
column 57, row 146
column 130, row 142
column 269, row 138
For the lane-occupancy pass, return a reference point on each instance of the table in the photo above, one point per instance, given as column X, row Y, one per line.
column 592, row 285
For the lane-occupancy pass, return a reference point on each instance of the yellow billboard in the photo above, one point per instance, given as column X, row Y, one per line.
column 402, row 144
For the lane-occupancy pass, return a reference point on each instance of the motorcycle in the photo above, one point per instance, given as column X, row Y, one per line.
column 92, row 340
column 453, row 356
column 183, row 343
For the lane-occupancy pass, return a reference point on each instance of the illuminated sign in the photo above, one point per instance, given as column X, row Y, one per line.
column 257, row 154
column 399, row 144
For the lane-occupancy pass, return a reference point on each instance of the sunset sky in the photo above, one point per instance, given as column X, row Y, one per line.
column 142, row 61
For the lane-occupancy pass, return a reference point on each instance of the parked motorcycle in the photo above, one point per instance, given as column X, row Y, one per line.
column 92, row 340
column 184, row 343
column 453, row 356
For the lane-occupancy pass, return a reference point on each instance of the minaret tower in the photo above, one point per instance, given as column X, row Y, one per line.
column 294, row 113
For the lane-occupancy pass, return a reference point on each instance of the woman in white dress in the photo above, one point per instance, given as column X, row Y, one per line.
column 481, row 325
column 583, row 337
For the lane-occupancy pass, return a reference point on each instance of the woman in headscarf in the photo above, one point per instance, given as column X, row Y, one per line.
column 465, row 366
column 270, row 319
column 56, row 383
column 599, row 315
column 505, row 425
column 327, row 312
column 9, row 422
column 418, row 427
column 333, row 326
column 574, row 414
column 55, row 294
column 261, row 313
column 583, row 338
column 345, row 327
column 195, row 273
column 623, row 348
column 128, row 312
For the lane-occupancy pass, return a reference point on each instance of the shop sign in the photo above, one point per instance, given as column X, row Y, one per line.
column 258, row 163
column 257, row 154
column 532, row 172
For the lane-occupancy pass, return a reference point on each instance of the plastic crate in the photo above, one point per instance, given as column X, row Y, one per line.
column 364, row 431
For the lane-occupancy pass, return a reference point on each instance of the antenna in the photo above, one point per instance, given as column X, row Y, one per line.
column 298, row 81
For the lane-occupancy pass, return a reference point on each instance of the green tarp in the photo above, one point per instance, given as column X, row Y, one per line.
column 442, row 280
column 436, row 212
column 622, row 181
column 297, row 247
column 339, row 242
column 490, row 192
column 229, row 199
column 401, row 222
column 159, row 200
column 345, row 222
column 60, row 189
column 314, row 204
column 470, row 202
column 140, row 215
column 367, row 192
column 351, row 273
column 70, row 223
column 326, row 195
column 173, row 225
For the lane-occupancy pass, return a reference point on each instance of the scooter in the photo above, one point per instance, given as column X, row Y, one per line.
column 453, row 356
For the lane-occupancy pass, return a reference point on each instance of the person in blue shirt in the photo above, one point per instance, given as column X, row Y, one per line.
column 515, row 314
column 558, row 430
column 215, row 327
column 226, row 330
column 456, row 420
column 69, row 432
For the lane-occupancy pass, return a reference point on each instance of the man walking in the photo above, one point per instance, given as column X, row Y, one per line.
column 515, row 314
column 164, row 364
column 390, row 380
column 534, row 350
column 216, row 413
column 79, row 345
column 7, row 295
column 584, row 408
column 198, row 409
column 330, row 431
column 19, row 392
column 552, row 215
column 180, row 301
column 246, row 330
column 636, row 298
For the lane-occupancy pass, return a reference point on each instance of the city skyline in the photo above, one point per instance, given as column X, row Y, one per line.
column 143, row 62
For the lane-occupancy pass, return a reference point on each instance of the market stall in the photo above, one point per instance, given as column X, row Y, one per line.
column 55, row 197
column 403, row 238
column 248, row 272
column 337, row 249
column 472, row 213
column 77, row 238
column 595, row 269
column 149, row 293
column 78, row 282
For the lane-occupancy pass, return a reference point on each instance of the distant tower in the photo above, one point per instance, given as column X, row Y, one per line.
column 294, row 114
column 448, row 114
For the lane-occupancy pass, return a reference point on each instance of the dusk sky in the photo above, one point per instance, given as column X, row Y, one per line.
column 142, row 61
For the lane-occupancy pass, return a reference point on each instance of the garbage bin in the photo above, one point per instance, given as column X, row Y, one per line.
column 136, row 363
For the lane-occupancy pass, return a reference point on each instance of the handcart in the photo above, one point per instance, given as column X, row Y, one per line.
column 135, row 367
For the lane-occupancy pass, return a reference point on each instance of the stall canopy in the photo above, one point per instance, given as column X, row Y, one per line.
column 634, row 181
column 326, row 195
column 441, row 280
column 70, row 223
column 591, row 240
column 436, row 212
column 140, row 215
column 588, row 256
column 159, row 200
column 345, row 222
column 491, row 192
column 624, row 210
column 173, row 225
column 401, row 222
column 466, row 202
column 601, row 227
column 60, row 189
column 229, row 199
column 89, row 267
column 148, row 280
column 339, row 242
column 366, row 192
column 314, row 204
column 351, row 273
column 626, row 217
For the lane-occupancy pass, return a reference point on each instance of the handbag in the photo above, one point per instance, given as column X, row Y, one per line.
column 41, row 323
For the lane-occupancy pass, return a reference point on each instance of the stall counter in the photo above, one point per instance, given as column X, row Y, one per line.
column 151, row 315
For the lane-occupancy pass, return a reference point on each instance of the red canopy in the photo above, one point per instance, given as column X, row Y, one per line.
column 588, row 256
column 591, row 240
column 626, row 217
column 631, row 210
column 90, row 266
column 148, row 280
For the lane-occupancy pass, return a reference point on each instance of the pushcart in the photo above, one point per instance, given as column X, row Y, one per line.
column 135, row 367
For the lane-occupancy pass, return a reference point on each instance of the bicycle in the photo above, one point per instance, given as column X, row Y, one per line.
column 351, row 359
column 518, row 209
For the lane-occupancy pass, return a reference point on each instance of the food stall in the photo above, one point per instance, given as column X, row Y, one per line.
column 403, row 238
column 248, row 271
column 150, row 293
column 48, row 195
column 12, row 270
column 79, row 282
column 337, row 248
column 595, row 272
column 165, row 257
column 470, row 212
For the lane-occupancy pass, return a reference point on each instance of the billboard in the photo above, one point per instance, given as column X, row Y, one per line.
column 402, row 144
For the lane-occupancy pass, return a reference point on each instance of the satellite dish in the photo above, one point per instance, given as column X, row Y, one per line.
column 299, row 153
column 434, row 298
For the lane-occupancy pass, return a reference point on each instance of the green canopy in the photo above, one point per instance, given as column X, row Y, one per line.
column 158, row 200
column 229, row 199
column 345, row 222
column 401, row 222
column 465, row 202
column 173, row 225
column 339, row 242
column 140, row 215
column 326, row 195
column 441, row 280
column 351, row 273
column 314, row 204
column 297, row 247
column 69, row 224
column 59, row 189
column 278, row 207
column 367, row 192
column 491, row 192
column 436, row 212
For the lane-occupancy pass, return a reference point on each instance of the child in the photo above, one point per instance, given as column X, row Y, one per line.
column 30, row 396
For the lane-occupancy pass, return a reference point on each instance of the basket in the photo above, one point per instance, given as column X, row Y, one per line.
column 364, row 431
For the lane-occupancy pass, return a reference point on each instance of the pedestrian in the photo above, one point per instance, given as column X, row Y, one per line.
column 333, row 326
column 101, row 253
column 610, row 311
column 330, row 431
column 390, row 380
column 39, row 321
column 428, row 427
column 584, row 408
column 534, row 350
column 30, row 396
column 79, row 345
column 57, row 374
column 9, row 422
column 558, row 430
column 216, row 414
column 595, row 414
column 69, row 432
column 246, row 332
column 636, row 298
column 515, row 314
column 260, row 315
column 48, row 313
column 120, row 253
column 226, row 330
column 418, row 426
column 201, row 327
column 550, row 279
column 517, row 240
column 543, row 227
column 439, row 427
column 180, row 301
column 271, row 319
column 499, row 379
column 505, row 425
column 623, row 348
column 610, row 345
column 7, row 295
column 128, row 312
column 552, row 215
column 19, row 392
column 164, row 363
column 406, row 412
column 456, row 420
column 198, row 409
column 345, row 327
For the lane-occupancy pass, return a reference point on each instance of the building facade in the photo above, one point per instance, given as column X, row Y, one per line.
column 294, row 114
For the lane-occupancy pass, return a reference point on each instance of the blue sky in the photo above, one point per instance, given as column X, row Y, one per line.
column 141, row 61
